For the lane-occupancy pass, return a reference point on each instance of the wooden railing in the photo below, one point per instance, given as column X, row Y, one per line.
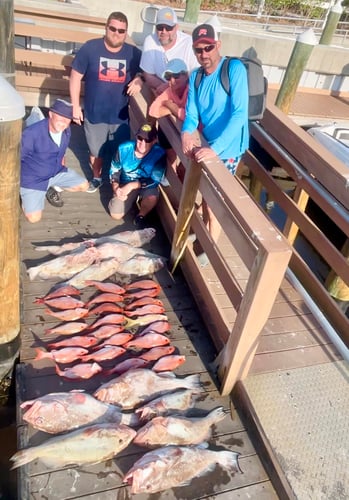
column 258, row 247
column 257, row 250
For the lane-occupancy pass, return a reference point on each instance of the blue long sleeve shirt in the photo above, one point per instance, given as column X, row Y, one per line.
column 41, row 158
column 149, row 170
column 222, row 118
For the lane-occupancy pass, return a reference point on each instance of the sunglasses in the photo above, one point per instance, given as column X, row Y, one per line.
column 206, row 49
column 169, row 75
column 122, row 31
column 164, row 27
column 139, row 138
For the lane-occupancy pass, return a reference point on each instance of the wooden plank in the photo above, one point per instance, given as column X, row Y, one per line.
column 58, row 34
column 294, row 358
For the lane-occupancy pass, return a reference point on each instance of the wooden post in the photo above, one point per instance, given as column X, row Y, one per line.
column 331, row 24
column 299, row 57
column 192, row 9
column 11, row 114
column 185, row 212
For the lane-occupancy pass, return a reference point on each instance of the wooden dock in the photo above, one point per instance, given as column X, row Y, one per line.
column 84, row 215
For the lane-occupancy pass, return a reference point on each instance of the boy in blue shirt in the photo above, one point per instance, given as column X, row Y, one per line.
column 136, row 171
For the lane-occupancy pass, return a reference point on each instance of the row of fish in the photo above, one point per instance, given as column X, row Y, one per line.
column 142, row 404
column 110, row 330
column 174, row 436
column 100, row 258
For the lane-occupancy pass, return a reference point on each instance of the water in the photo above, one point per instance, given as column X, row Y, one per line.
column 8, row 440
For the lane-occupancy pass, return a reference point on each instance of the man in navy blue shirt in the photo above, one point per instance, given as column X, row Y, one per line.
column 43, row 172
column 108, row 66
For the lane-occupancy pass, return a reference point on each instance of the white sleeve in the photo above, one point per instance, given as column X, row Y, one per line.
column 149, row 53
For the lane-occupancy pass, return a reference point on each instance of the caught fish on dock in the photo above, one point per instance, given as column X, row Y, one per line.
column 178, row 430
column 106, row 331
column 145, row 320
column 117, row 339
column 106, row 287
column 141, row 385
column 68, row 328
column 147, row 341
column 105, row 353
column 77, row 340
column 107, row 307
column 146, row 309
column 109, row 319
column 68, row 314
column 82, row 371
column 88, row 445
column 168, row 363
column 61, row 291
column 143, row 285
column 174, row 402
column 173, row 466
column 138, row 294
column 157, row 352
column 105, row 297
column 156, row 327
column 64, row 267
column 64, row 411
column 65, row 355
column 143, row 301
column 128, row 364
column 98, row 271
column 141, row 265
column 135, row 238
column 65, row 302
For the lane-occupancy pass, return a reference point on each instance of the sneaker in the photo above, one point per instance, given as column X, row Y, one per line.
column 54, row 198
column 139, row 221
column 94, row 185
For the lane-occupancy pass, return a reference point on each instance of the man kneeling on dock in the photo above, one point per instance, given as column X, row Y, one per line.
column 43, row 172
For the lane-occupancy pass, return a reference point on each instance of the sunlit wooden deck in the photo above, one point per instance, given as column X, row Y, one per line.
column 84, row 215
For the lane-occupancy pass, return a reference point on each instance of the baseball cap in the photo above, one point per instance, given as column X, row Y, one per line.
column 147, row 132
column 175, row 66
column 204, row 33
column 63, row 108
column 166, row 16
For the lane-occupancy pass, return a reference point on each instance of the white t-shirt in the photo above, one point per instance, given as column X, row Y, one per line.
column 155, row 57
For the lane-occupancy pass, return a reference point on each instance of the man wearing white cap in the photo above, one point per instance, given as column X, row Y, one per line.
column 167, row 43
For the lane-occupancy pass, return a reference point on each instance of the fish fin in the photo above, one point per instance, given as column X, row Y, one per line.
column 41, row 354
column 23, row 457
column 167, row 374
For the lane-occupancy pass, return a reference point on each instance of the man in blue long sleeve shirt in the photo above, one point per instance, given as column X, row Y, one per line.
column 221, row 118
column 43, row 172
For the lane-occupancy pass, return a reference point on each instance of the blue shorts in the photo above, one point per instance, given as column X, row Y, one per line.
column 100, row 135
column 232, row 164
column 33, row 200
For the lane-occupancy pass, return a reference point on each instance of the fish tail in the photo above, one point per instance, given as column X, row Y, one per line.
column 229, row 460
column 41, row 354
column 39, row 300
column 192, row 382
column 23, row 457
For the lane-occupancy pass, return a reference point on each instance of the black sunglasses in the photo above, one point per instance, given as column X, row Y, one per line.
column 206, row 49
column 170, row 75
column 122, row 31
column 140, row 138
column 164, row 27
